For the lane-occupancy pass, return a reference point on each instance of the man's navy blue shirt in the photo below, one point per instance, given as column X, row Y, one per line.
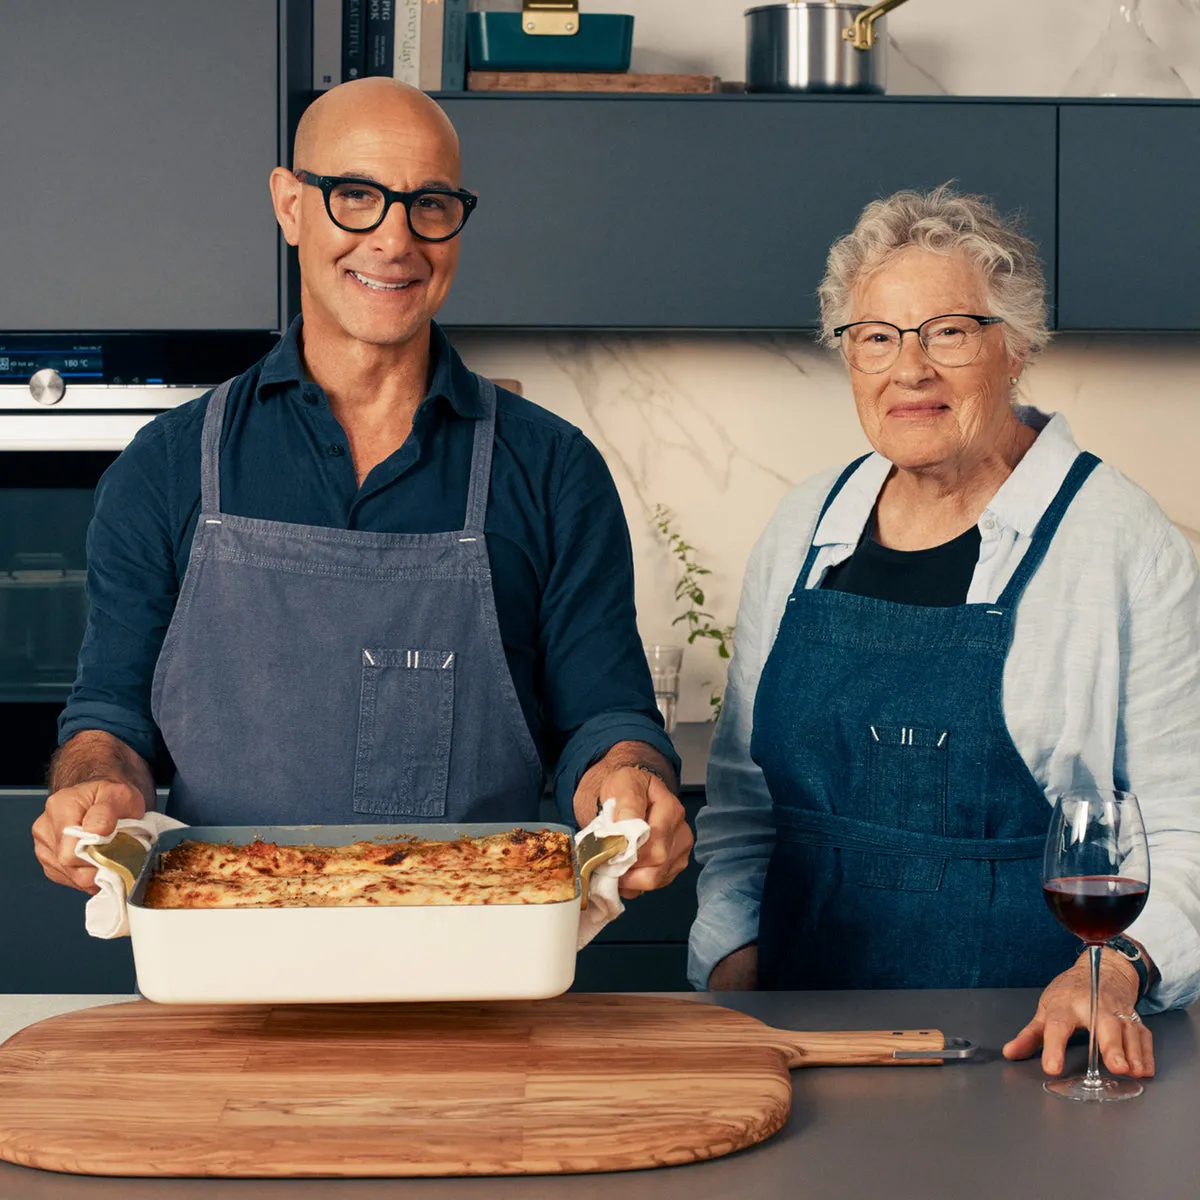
column 562, row 568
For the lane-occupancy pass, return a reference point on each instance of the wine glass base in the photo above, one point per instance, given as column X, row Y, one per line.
column 1077, row 1088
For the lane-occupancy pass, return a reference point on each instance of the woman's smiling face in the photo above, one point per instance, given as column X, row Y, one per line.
column 919, row 414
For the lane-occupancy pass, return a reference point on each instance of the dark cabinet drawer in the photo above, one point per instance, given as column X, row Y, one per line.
column 136, row 141
column 712, row 212
column 43, row 945
column 1129, row 240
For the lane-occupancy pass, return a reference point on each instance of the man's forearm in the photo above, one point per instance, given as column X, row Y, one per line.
column 623, row 754
column 94, row 754
column 636, row 754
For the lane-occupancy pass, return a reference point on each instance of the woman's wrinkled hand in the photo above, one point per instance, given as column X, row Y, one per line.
column 1125, row 1044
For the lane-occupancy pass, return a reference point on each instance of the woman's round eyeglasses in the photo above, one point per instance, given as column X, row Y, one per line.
column 951, row 340
column 359, row 205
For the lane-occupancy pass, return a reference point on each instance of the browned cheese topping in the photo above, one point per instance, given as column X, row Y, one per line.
column 518, row 867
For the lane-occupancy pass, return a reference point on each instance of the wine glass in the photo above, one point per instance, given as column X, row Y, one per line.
column 1095, row 878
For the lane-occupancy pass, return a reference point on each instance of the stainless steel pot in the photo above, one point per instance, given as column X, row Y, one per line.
column 817, row 47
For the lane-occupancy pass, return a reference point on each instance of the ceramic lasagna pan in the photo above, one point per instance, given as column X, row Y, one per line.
column 350, row 954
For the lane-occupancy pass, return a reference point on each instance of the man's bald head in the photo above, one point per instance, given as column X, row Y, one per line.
column 365, row 104
column 381, row 286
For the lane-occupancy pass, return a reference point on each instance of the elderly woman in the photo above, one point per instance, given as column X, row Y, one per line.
column 934, row 641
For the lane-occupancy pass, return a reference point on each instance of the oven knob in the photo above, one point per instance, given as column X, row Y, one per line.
column 47, row 387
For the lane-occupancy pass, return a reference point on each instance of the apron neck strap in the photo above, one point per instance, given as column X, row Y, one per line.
column 840, row 483
column 481, row 456
column 1047, row 527
column 210, row 450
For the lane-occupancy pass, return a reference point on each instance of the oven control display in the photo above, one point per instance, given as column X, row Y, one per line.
column 20, row 362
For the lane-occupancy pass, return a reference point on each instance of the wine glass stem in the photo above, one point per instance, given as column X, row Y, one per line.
column 1092, row 1078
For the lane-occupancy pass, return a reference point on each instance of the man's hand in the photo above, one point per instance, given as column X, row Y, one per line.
column 95, row 780
column 639, row 794
column 736, row 972
column 97, row 805
column 1126, row 1046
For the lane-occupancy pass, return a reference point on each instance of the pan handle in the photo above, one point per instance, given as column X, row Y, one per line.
column 123, row 854
column 862, row 33
column 591, row 852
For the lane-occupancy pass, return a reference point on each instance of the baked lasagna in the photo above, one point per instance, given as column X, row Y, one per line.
column 522, row 866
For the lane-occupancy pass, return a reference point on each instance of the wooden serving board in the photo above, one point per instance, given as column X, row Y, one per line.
column 578, row 1083
column 589, row 81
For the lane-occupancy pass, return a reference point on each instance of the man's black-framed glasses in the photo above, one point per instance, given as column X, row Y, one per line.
column 358, row 206
column 951, row 340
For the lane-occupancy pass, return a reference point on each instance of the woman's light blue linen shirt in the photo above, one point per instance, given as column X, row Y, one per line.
column 1102, row 683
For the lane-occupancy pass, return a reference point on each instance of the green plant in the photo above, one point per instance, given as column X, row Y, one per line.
column 690, row 591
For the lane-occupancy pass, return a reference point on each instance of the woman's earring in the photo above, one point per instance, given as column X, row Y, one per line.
column 1014, row 380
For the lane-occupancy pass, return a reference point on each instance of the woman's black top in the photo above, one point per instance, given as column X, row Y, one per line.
column 936, row 578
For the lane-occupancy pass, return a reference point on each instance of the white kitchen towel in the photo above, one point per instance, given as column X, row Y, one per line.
column 105, row 914
column 604, row 901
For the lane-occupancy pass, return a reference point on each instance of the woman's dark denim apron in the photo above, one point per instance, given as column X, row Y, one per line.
column 332, row 676
column 910, row 830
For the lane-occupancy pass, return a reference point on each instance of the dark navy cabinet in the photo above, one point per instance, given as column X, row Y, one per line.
column 43, row 944
column 709, row 212
column 136, row 141
column 1129, row 234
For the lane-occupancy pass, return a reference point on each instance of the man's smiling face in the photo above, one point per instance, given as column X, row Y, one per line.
column 384, row 286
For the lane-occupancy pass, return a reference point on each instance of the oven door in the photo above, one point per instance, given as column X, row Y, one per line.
column 49, row 468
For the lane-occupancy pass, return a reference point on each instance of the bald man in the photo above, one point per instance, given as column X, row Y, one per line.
column 359, row 583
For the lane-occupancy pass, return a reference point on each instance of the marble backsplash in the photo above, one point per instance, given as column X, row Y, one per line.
column 975, row 48
column 718, row 427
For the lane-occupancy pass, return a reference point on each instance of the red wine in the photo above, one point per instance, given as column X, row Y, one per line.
column 1095, row 907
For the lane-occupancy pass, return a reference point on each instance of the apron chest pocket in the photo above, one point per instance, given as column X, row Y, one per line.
column 405, row 721
column 906, row 771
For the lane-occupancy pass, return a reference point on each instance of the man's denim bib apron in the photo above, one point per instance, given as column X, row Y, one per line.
column 334, row 676
column 910, row 830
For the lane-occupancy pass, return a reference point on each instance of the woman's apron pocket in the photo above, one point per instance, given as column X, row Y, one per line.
column 906, row 772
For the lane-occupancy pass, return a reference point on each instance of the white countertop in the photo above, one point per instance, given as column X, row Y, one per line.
column 17, row 1011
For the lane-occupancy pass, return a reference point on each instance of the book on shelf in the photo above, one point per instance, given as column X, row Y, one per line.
column 326, row 44
column 354, row 39
column 419, row 42
column 433, row 28
column 381, row 27
column 454, row 47
column 406, row 60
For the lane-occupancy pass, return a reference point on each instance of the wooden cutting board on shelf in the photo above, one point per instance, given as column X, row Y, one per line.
column 590, row 81
column 575, row 1084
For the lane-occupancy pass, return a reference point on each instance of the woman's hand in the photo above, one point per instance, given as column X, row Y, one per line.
column 736, row 972
column 1125, row 1044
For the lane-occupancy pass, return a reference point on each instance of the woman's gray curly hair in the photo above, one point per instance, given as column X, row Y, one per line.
column 944, row 222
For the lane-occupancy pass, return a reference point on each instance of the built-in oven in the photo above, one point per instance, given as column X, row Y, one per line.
column 69, row 403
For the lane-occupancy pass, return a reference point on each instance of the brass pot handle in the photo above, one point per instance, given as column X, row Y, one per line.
column 591, row 852
column 124, row 854
column 862, row 33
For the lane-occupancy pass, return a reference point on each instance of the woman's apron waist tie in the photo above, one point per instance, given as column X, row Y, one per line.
column 846, row 833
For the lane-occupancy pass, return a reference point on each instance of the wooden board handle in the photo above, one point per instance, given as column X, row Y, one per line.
column 860, row 1048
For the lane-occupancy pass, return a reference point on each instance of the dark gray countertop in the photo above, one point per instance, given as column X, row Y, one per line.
column 983, row 1130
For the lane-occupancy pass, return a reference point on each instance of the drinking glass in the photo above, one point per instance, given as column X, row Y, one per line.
column 1126, row 61
column 665, row 662
column 1095, row 878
